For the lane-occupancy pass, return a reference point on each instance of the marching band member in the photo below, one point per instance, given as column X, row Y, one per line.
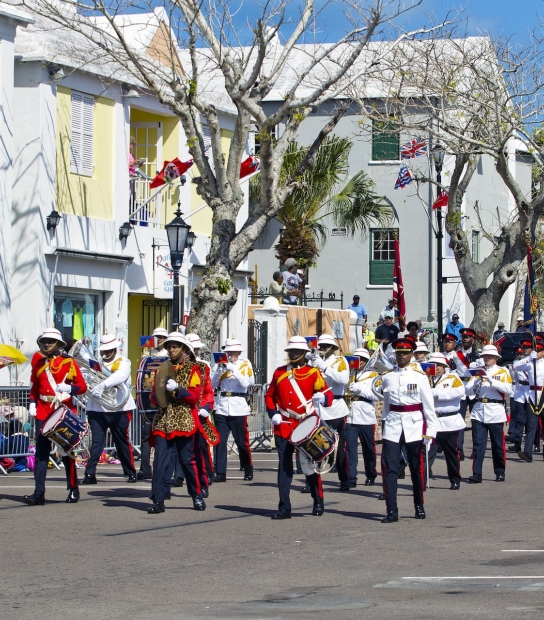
column 408, row 407
column 100, row 418
column 159, row 335
column 448, row 392
column 335, row 370
column 233, row 381
column 361, row 421
column 488, row 414
column 530, row 364
column 294, row 391
column 519, row 404
column 55, row 378
column 176, row 423
column 421, row 352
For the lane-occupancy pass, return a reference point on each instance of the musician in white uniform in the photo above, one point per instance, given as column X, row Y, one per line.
column 519, row 404
column 448, row 392
column 488, row 414
column 335, row 371
column 530, row 364
column 361, row 421
column 100, row 418
column 232, row 382
column 408, row 418
column 159, row 335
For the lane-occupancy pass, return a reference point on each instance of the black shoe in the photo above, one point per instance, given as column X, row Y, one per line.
column 402, row 474
column 461, row 455
column 248, row 473
column 319, row 509
column 89, row 479
column 392, row 517
column 509, row 439
column 282, row 514
column 420, row 511
column 524, row 457
column 299, row 471
column 73, row 497
column 177, row 482
column 220, row 478
column 536, row 449
column 198, row 503
column 475, row 479
column 515, row 448
column 344, row 488
column 241, row 467
column 36, row 499
column 381, row 496
column 141, row 476
column 132, row 478
column 334, row 470
column 455, row 486
column 305, row 488
column 156, row 508
column 500, row 478
column 369, row 482
column 205, row 493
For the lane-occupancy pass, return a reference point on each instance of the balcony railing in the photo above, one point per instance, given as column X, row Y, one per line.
column 146, row 204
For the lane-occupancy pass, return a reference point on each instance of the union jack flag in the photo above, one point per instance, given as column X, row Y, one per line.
column 415, row 148
column 404, row 178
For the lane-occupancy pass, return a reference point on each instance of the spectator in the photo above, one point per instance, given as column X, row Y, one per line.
column 369, row 338
column 276, row 288
column 358, row 308
column 292, row 282
column 521, row 325
column 421, row 333
column 391, row 307
column 497, row 335
column 388, row 332
column 454, row 328
column 412, row 330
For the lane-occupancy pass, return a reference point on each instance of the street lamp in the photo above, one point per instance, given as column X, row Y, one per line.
column 179, row 238
column 437, row 154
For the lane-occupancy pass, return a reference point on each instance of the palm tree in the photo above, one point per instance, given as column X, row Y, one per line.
column 324, row 192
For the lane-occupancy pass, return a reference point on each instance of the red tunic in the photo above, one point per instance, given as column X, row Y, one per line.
column 64, row 370
column 281, row 394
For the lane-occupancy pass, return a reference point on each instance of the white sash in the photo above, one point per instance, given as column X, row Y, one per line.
column 308, row 405
column 60, row 397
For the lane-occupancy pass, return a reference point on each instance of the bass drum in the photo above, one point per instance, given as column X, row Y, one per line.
column 145, row 380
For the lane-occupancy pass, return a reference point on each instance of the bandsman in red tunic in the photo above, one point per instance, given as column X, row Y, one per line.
column 286, row 409
column 55, row 378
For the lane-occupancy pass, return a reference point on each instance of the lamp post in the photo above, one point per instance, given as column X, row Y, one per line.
column 437, row 154
column 180, row 237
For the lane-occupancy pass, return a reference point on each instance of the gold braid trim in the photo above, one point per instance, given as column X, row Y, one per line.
column 177, row 415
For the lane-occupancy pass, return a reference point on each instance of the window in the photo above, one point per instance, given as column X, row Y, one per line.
column 385, row 141
column 75, row 315
column 382, row 256
column 82, row 134
column 476, row 246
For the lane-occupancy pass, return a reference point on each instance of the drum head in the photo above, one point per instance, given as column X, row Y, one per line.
column 305, row 428
column 166, row 371
column 145, row 380
column 53, row 420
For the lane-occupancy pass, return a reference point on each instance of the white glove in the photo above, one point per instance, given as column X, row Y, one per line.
column 427, row 441
column 319, row 363
column 64, row 387
column 203, row 413
column 534, row 355
column 276, row 419
column 231, row 366
column 171, row 385
column 32, row 411
column 318, row 399
column 98, row 390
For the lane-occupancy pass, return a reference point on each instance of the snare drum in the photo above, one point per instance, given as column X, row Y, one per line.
column 145, row 379
column 65, row 429
column 314, row 438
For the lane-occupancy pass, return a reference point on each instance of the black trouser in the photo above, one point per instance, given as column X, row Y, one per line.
column 285, row 475
column 118, row 422
column 447, row 440
column 498, row 448
column 146, row 420
column 237, row 425
column 516, row 428
column 342, row 462
column 463, row 406
column 164, row 449
column 203, row 460
column 531, row 427
column 43, row 450
column 391, row 451
column 365, row 433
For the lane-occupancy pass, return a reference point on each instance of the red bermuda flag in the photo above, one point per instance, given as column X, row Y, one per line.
column 249, row 166
column 441, row 201
column 398, row 287
column 170, row 172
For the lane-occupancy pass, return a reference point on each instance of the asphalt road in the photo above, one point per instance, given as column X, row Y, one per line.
column 479, row 553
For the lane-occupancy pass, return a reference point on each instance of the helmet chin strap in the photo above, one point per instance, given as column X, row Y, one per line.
column 325, row 352
column 296, row 360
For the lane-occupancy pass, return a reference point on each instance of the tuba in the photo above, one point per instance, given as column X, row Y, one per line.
column 114, row 397
column 380, row 364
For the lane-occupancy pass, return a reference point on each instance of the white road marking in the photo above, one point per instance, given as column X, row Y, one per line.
column 522, row 550
column 480, row 577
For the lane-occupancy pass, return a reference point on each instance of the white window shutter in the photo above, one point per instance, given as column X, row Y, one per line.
column 88, row 136
column 208, row 144
column 82, row 134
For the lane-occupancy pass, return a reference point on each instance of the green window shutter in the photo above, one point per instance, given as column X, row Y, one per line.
column 381, row 272
column 385, row 142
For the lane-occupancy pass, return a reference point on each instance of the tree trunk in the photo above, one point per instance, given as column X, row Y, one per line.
column 518, row 298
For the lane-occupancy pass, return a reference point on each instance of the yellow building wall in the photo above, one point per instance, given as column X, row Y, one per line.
column 77, row 194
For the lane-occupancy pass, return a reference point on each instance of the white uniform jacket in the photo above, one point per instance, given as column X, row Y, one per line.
column 458, row 366
column 120, row 369
column 237, row 377
column 335, row 371
column 521, row 380
column 408, row 402
column 526, row 365
column 490, row 396
column 362, row 405
column 448, row 392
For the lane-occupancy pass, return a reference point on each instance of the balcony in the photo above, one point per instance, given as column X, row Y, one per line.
column 146, row 205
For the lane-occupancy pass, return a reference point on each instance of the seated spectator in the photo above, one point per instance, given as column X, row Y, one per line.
column 276, row 288
column 421, row 333
column 369, row 338
column 358, row 308
column 388, row 332
column 454, row 328
column 500, row 332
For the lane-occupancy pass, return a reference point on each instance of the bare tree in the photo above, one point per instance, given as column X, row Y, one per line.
column 203, row 54
column 475, row 97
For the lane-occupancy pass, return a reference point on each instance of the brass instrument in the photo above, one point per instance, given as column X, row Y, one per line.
column 380, row 364
column 113, row 398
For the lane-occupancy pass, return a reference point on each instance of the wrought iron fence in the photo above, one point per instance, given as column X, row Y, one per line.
column 258, row 295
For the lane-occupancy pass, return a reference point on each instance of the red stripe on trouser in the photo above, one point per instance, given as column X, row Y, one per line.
column 504, row 448
column 70, row 466
column 246, row 441
column 198, row 487
column 128, row 441
column 422, row 474
column 319, row 487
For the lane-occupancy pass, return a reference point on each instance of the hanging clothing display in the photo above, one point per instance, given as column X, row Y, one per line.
column 57, row 318
column 78, row 323
column 88, row 318
column 67, row 313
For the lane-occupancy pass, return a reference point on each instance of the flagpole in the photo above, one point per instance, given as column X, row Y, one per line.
column 437, row 154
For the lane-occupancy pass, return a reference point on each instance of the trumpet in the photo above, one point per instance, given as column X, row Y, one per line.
column 380, row 364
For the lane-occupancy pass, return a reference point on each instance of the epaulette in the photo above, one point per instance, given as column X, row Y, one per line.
column 415, row 368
